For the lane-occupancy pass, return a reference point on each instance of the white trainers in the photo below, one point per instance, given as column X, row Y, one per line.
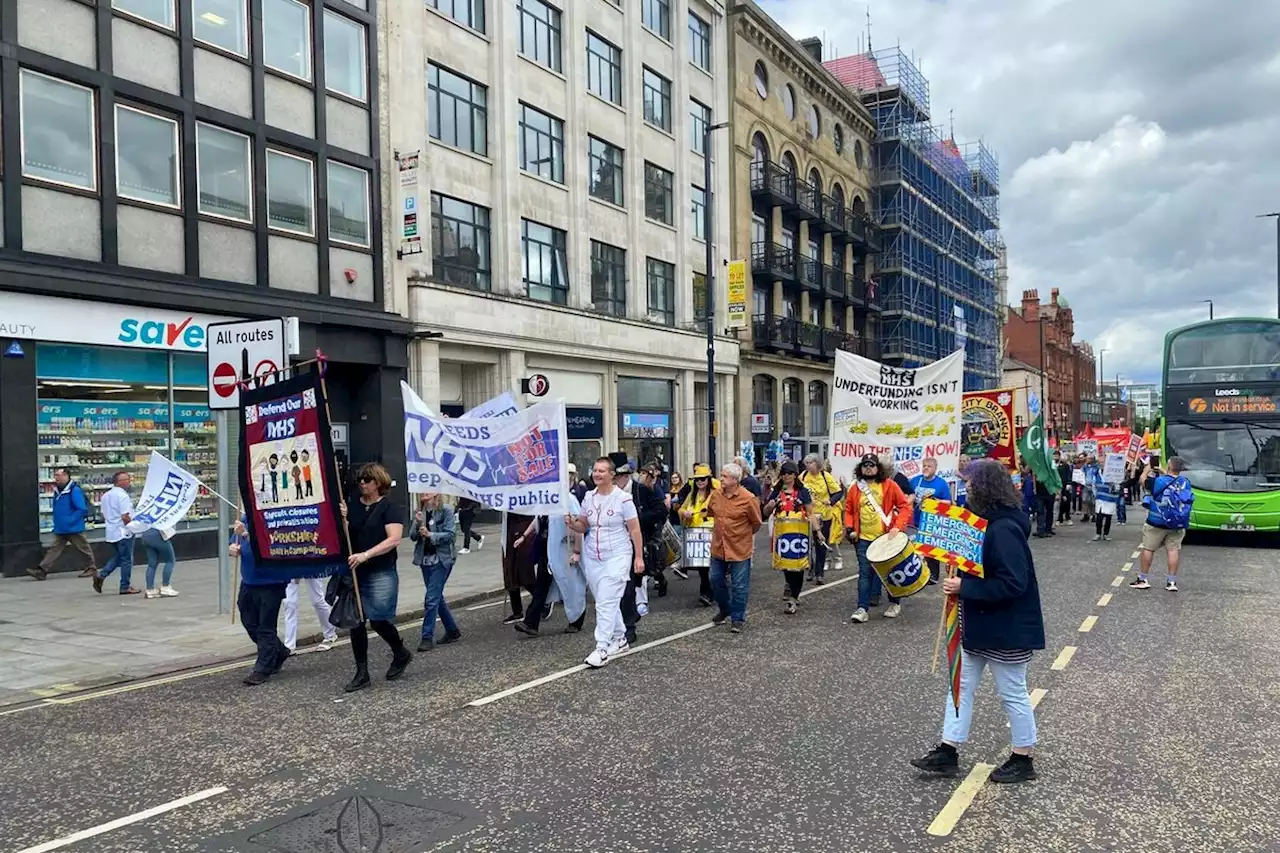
column 621, row 647
column 1170, row 586
column 326, row 644
column 168, row 592
column 152, row 593
column 597, row 659
column 464, row 550
column 479, row 543
column 892, row 611
column 859, row 615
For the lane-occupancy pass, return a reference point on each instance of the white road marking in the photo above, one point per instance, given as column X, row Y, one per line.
column 155, row 682
column 39, row 704
column 1119, row 580
column 955, row 808
column 1126, row 567
column 1105, row 600
column 1036, row 696
column 482, row 606
column 1133, row 556
column 1064, row 658
column 119, row 823
column 1087, row 625
column 828, row 585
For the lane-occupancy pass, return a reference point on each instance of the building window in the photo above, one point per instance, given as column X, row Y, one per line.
column 604, row 69
column 58, row 140
column 541, row 144
column 348, row 204
column 469, row 13
column 658, row 194
column 290, row 193
column 657, row 100
column 759, row 149
column 540, row 33
column 146, row 157
column 224, row 172
column 837, row 137
column 699, row 121
column 344, row 62
column 699, row 296
column 608, row 279
column 762, row 393
column 546, row 264
column 699, row 206
column 792, row 407
column 789, row 101
column 818, row 405
column 605, row 174
column 661, row 278
column 222, row 24
column 815, row 121
column 699, row 42
column 460, row 242
column 457, row 110
column 656, row 15
column 156, row 11
column 789, row 163
column 815, row 178
column 857, row 153
column 286, row 37
column 762, row 80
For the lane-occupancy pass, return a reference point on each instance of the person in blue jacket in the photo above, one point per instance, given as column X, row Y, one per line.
column 1002, row 625
column 70, row 509
column 927, row 484
column 259, row 606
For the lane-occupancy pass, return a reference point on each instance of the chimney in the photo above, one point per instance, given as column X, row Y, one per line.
column 1031, row 305
column 813, row 47
column 1053, row 296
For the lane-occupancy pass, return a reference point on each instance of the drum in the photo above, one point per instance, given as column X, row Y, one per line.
column 697, row 547
column 672, row 548
column 790, row 544
column 895, row 560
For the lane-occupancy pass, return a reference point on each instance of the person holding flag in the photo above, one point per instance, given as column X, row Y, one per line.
column 1035, row 453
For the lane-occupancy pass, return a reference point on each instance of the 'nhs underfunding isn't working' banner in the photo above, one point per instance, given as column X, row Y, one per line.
column 512, row 462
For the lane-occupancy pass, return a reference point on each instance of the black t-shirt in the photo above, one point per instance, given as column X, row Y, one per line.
column 369, row 528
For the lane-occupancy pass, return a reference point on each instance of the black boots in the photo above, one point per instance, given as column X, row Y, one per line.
column 359, row 681
column 399, row 661
column 942, row 759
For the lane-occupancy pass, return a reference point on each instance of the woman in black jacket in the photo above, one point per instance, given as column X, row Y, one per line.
column 1002, row 625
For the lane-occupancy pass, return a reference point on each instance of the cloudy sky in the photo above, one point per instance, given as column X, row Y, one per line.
column 1137, row 142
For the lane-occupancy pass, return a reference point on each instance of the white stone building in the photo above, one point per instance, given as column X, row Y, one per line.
column 552, row 208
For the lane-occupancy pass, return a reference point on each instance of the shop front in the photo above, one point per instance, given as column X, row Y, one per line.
column 646, row 416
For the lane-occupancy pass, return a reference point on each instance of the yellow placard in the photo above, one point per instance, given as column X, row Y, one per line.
column 736, row 300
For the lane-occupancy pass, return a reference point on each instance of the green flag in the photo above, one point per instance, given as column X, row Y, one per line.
column 1036, row 454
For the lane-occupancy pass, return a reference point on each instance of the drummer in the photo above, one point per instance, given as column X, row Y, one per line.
column 791, row 502
column 693, row 513
column 875, row 506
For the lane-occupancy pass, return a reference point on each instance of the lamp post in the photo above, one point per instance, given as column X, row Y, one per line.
column 1210, row 301
column 709, row 221
column 1276, row 217
column 1102, row 375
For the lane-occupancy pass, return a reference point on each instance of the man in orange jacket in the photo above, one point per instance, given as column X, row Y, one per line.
column 874, row 506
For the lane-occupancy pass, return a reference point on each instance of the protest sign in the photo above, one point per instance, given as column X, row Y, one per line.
column 986, row 426
column 951, row 534
column 166, row 497
column 514, row 462
column 908, row 413
column 1134, row 449
column 1087, row 446
column 1113, row 468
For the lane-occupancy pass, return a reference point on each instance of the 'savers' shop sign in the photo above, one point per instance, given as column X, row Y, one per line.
column 51, row 318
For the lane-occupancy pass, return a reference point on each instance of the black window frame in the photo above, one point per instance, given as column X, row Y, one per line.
column 657, row 177
column 699, row 210
column 597, row 63
column 660, row 274
column 435, row 108
column 479, row 276
column 663, row 92
column 468, row 13
column 601, row 156
column 548, row 37
column 555, row 136
column 655, row 15
column 700, row 42
column 608, row 278
column 557, row 251
column 699, row 121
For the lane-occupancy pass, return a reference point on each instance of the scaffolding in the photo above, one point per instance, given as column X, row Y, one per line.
column 938, row 204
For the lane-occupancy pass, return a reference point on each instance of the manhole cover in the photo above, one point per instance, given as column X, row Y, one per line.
column 356, row 823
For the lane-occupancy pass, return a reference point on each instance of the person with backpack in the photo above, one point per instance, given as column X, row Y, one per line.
column 1168, row 517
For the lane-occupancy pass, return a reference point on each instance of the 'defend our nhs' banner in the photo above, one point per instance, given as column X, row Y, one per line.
column 511, row 462
column 910, row 413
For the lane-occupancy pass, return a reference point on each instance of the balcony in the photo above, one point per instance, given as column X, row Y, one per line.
column 832, row 218
column 772, row 185
column 810, row 270
column 833, row 282
column 864, row 233
column 855, row 289
column 808, row 204
column 773, row 262
column 834, row 339
column 809, row 339
column 786, row 336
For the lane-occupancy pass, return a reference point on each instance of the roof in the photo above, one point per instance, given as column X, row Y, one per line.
column 1014, row 364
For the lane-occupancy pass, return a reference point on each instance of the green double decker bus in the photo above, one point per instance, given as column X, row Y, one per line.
column 1222, row 417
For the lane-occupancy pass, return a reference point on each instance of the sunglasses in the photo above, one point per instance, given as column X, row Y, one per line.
column 366, row 479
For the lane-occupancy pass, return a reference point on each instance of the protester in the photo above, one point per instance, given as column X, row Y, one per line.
column 160, row 550
column 434, row 533
column 693, row 513
column 790, row 501
column 376, row 526
column 1092, row 475
column 519, row 560
column 579, row 486
column 826, row 494
column 1032, row 504
column 1168, row 516
column 1002, row 626
column 117, row 511
column 466, row 518
column 737, row 518
column 612, row 546
column 1044, row 501
column 749, row 481
column 925, row 485
column 651, row 512
column 315, row 588
column 675, row 496
column 563, row 573
column 1105, row 497
column 258, row 603
column 70, row 509
column 876, row 507
column 1068, row 488
column 958, row 497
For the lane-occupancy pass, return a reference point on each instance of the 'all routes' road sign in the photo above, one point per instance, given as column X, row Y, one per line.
column 248, row 350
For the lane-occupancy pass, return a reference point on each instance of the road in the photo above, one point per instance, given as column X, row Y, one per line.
column 793, row 736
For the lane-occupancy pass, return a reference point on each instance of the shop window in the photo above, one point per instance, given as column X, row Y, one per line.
column 146, row 157
column 221, row 23
column 348, row 204
column 290, row 193
column 344, row 61
column 286, row 37
column 58, row 140
column 159, row 12
column 100, row 410
column 225, row 173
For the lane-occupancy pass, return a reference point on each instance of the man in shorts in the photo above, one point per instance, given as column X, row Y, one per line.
column 1154, row 534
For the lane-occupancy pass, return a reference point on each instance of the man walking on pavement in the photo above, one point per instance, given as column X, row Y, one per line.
column 1168, row 516
column 70, row 508
column 737, row 515
column 117, row 511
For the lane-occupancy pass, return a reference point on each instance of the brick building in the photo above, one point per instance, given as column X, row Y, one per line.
column 1040, row 335
column 1085, row 385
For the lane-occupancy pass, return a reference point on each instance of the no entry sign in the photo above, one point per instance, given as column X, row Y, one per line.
column 249, row 351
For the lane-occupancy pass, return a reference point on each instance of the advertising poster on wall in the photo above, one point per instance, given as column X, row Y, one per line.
column 986, row 426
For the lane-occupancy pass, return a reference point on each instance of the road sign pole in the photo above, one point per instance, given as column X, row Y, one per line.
column 224, row 512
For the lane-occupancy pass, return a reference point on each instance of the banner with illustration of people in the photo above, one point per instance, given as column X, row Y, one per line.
column 986, row 426
column 287, row 478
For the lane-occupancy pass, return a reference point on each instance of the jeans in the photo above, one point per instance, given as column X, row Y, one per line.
column 259, row 610
column 869, row 584
column 158, row 549
column 121, row 559
column 1064, row 506
column 819, row 564
column 1045, row 520
column 730, row 580
column 1122, row 514
column 1011, row 687
column 434, row 577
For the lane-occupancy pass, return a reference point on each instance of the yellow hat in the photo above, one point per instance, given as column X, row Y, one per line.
column 700, row 471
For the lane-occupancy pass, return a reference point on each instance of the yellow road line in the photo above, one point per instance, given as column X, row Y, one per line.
column 1119, row 580
column 1126, row 567
column 1064, row 658
column 1133, row 556
column 1105, row 600
column 1037, row 695
column 1087, row 625
column 955, row 808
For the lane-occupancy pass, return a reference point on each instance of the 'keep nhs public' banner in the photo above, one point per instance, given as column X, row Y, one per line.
column 515, row 462
column 166, row 497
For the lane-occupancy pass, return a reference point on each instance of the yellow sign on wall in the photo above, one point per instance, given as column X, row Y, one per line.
column 737, row 296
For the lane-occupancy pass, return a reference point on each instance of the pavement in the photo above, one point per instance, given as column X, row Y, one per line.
column 57, row 637
column 793, row 736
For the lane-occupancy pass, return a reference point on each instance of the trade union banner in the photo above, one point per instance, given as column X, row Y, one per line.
column 986, row 426
column 287, row 479
column 908, row 412
column 516, row 462
column 166, row 497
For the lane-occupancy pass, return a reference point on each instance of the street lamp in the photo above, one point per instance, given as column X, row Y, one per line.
column 709, row 221
column 1102, row 376
column 1276, row 217
column 1210, row 301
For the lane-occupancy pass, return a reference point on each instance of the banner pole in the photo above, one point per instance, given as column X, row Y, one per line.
column 224, row 519
column 942, row 622
column 337, row 480
column 235, row 574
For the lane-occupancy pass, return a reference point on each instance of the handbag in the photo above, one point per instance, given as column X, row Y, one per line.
column 340, row 594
